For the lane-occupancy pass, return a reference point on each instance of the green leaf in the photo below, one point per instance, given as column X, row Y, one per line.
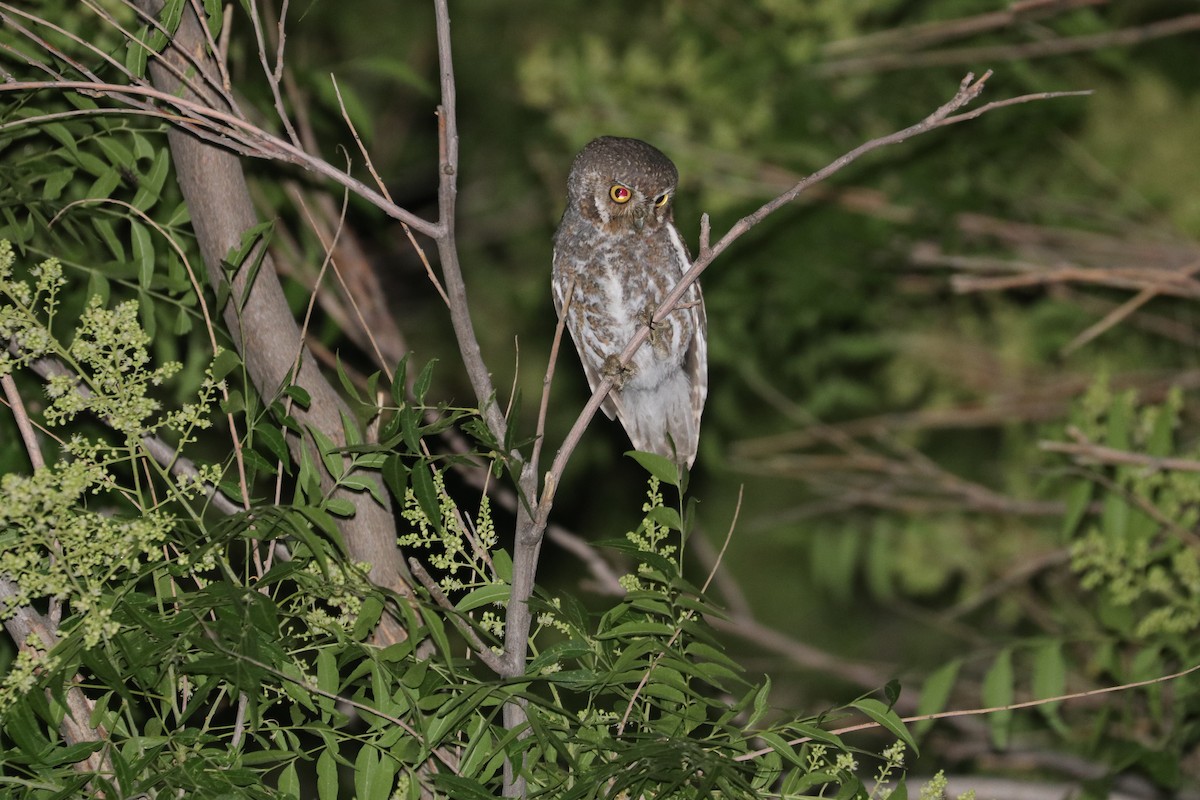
column 460, row 788
column 98, row 286
column 485, row 595
column 299, row 395
column 150, row 183
column 55, row 182
column 105, row 184
column 143, row 253
column 1122, row 417
column 339, row 507
column 399, row 382
column 998, row 691
column 289, row 781
column 666, row 516
column 762, row 703
column 558, row 652
column 235, row 404
column 364, row 483
column 423, row 381
column 426, row 493
column 780, row 746
column 327, row 775
column 395, row 475
column 661, row 467
column 22, row 726
column 935, row 693
column 373, row 774
column 246, row 259
column 638, row 628
column 268, row 434
column 886, row 718
column 118, row 154
column 61, row 134
column 350, row 430
column 1049, row 672
column 347, row 384
column 330, row 456
column 136, row 54
column 1079, row 497
column 1050, row 680
column 326, row 524
column 225, row 362
column 146, row 313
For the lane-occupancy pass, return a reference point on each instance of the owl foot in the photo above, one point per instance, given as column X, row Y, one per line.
column 615, row 371
column 656, row 338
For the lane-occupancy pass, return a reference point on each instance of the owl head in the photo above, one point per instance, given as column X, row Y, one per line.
column 622, row 185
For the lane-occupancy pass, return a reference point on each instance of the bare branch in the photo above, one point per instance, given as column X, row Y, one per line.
column 1066, row 45
column 24, row 426
column 207, row 122
column 1085, row 452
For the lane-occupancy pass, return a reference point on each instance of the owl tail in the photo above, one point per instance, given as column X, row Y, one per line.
column 662, row 420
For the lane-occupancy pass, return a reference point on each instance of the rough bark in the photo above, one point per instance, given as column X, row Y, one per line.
column 263, row 329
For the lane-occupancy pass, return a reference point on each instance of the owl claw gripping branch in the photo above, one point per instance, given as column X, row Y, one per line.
column 618, row 251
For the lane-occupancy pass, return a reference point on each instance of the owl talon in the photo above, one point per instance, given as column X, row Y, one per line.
column 656, row 338
column 617, row 372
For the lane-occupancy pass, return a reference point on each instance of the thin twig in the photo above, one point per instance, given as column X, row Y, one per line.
column 256, row 142
column 1010, row 52
column 272, row 75
column 412, row 240
column 489, row 658
column 975, row 712
column 1120, row 313
column 24, row 426
column 913, row 37
column 544, row 408
column 1089, row 453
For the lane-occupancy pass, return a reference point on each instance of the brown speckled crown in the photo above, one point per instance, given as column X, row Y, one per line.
column 616, row 158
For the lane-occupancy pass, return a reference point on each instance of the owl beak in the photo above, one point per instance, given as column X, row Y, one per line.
column 639, row 217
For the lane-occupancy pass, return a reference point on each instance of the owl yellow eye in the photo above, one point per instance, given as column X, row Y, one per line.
column 662, row 199
column 619, row 193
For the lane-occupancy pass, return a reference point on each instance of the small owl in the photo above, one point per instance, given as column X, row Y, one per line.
column 616, row 256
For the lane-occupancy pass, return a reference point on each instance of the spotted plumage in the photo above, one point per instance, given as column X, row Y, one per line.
column 617, row 255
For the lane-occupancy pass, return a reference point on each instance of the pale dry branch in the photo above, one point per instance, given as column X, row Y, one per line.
column 1085, row 452
column 983, row 54
column 915, row 37
column 24, row 426
column 1119, row 314
column 220, row 128
column 481, row 650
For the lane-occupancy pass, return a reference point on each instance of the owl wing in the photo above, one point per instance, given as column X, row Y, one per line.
column 573, row 323
column 695, row 361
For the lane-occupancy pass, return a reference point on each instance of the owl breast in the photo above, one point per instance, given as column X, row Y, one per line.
column 618, row 281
